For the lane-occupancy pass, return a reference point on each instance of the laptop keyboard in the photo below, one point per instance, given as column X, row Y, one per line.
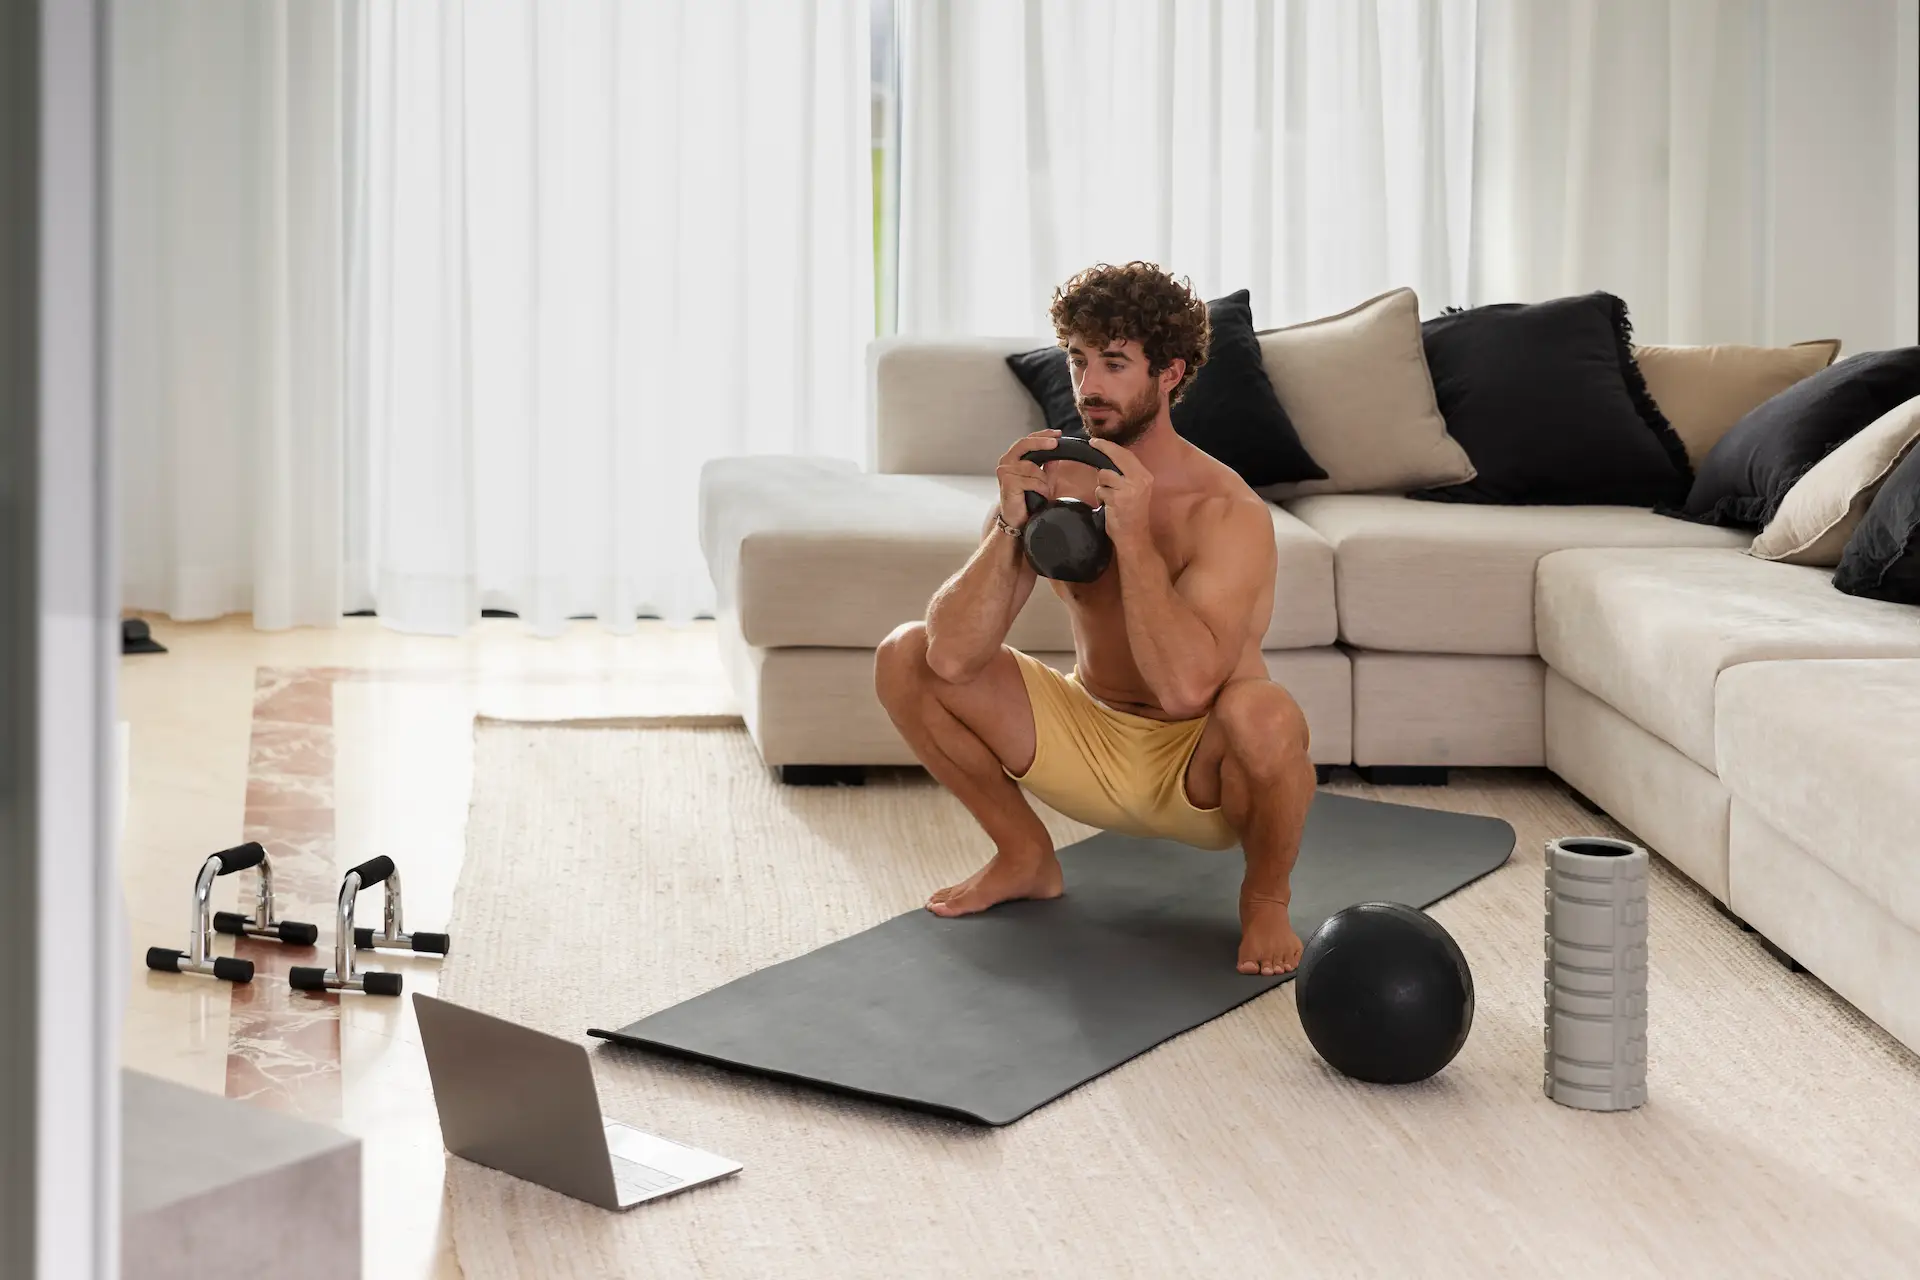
column 641, row 1179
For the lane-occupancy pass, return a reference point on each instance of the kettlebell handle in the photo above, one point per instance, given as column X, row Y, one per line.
column 1069, row 449
column 1072, row 449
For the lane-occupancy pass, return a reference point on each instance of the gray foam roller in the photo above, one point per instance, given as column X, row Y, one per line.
column 1596, row 962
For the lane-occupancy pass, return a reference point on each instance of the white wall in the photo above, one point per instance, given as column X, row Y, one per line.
column 1837, row 253
column 81, row 941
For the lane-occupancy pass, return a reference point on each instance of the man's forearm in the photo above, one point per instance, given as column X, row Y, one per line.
column 970, row 616
column 1173, row 648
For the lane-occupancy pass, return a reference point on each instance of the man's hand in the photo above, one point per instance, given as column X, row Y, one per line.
column 1019, row 477
column 1126, row 496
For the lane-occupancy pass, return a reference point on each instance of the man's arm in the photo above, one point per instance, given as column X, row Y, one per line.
column 1188, row 637
column 970, row 616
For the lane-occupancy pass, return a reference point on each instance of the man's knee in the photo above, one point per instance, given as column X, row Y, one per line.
column 1265, row 728
column 900, row 662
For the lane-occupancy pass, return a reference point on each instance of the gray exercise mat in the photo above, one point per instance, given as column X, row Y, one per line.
column 990, row 1016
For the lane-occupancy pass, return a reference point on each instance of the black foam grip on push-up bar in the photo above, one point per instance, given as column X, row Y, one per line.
column 164, row 959
column 373, row 871
column 381, row 983
column 432, row 943
column 296, row 934
column 240, row 857
column 303, row 978
column 228, row 969
column 229, row 922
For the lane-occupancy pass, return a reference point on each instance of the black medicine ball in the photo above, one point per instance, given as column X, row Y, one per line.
column 1384, row 993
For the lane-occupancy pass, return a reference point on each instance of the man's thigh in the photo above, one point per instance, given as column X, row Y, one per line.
column 994, row 705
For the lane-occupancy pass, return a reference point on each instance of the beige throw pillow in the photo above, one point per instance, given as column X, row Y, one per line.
column 1703, row 391
column 1820, row 512
column 1357, row 389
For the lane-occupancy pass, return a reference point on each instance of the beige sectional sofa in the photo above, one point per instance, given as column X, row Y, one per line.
column 1748, row 722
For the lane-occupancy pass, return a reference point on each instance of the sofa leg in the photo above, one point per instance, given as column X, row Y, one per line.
column 1727, row 911
column 1322, row 774
column 1403, row 775
column 1793, row 966
column 823, row 775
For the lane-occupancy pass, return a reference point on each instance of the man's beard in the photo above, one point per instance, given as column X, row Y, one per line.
column 1134, row 419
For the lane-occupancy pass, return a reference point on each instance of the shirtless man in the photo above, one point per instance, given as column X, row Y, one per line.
column 1169, row 725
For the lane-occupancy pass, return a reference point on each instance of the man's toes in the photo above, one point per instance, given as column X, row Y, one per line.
column 959, row 902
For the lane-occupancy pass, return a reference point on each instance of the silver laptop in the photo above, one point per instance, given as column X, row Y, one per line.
column 523, row 1102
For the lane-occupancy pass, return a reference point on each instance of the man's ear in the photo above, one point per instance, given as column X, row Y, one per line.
column 1170, row 376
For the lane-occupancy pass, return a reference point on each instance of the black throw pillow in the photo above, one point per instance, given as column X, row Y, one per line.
column 1882, row 559
column 1547, row 401
column 1229, row 409
column 1746, row 475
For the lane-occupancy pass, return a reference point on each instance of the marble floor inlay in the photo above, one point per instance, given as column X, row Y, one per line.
column 283, row 1047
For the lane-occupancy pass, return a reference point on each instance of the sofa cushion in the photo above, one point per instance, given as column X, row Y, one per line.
column 1826, row 753
column 1819, row 515
column 1358, row 392
column 809, row 551
column 1649, row 632
column 1881, row 558
column 1703, row 391
column 1746, row 476
column 1424, row 577
column 946, row 406
column 1547, row 401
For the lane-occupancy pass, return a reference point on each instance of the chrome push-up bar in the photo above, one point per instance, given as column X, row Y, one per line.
column 199, row 957
column 347, row 938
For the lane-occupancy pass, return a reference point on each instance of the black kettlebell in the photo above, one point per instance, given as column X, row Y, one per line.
column 1065, row 538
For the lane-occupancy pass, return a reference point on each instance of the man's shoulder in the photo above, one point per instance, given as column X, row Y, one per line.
column 1233, row 521
column 1225, row 505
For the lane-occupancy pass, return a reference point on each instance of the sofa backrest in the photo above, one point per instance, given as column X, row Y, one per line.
column 946, row 406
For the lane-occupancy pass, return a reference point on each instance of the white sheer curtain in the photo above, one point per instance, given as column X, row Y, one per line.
column 603, row 243
column 226, row 333
column 1315, row 153
column 1738, row 170
column 1622, row 145
column 427, row 307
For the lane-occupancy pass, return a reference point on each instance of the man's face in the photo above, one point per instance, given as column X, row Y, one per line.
column 1117, row 398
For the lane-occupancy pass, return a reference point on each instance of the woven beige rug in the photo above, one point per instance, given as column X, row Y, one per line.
column 611, row 872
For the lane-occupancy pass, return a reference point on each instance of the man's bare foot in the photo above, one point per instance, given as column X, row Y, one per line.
column 1007, row 877
column 1268, row 944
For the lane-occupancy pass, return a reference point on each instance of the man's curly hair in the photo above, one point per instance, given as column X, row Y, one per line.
column 1137, row 301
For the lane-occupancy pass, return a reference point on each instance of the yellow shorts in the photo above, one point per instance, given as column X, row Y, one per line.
column 1111, row 769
